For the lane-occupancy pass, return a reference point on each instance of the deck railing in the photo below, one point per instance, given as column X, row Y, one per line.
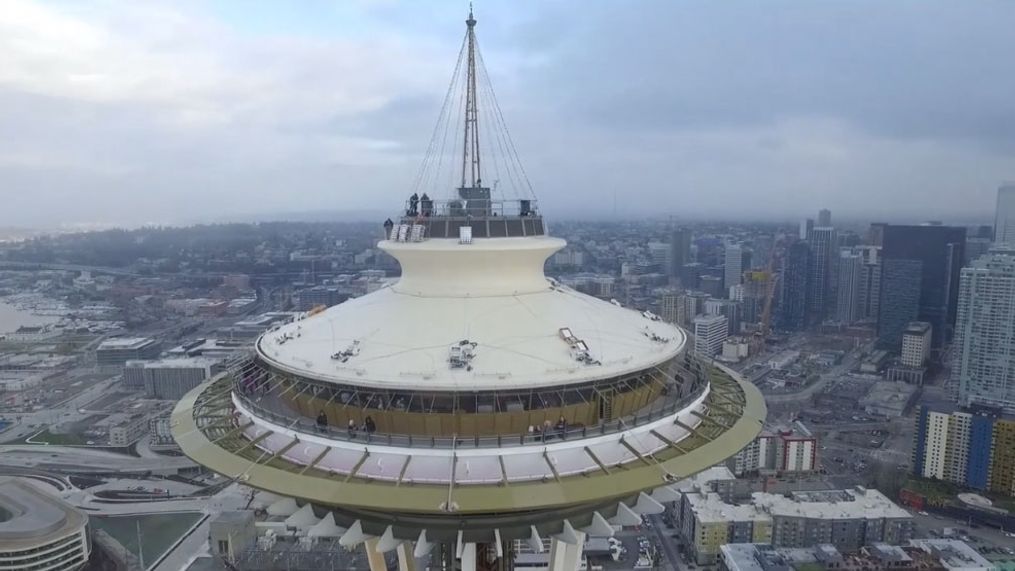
column 271, row 408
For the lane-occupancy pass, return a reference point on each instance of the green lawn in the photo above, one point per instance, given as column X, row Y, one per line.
column 47, row 437
column 933, row 489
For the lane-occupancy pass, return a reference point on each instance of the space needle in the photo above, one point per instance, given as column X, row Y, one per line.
column 474, row 406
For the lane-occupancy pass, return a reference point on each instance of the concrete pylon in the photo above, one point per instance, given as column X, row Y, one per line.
column 565, row 556
column 406, row 559
column 468, row 559
column 375, row 558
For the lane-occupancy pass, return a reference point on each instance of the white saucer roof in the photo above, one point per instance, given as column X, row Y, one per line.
column 401, row 336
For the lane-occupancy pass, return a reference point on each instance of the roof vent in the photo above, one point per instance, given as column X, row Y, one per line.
column 461, row 355
column 579, row 348
column 654, row 336
column 351, row 351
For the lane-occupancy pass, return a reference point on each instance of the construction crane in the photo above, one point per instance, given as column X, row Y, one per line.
column 773, row 278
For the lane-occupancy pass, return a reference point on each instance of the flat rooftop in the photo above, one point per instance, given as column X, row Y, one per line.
column 855, row 503
column 710, row 508
column 701, row 480
column 753, row 557
column 178, row 363
column 29, row 516
column 954, row 554
column 859, row 503
column 125, row 343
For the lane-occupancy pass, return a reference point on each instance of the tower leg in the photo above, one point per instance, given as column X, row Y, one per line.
column 564, row 556
column 376, row 559
column 468, row 557
column 406, row 561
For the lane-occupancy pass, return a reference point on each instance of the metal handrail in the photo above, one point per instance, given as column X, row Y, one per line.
column 456, row 207
column 661, row 407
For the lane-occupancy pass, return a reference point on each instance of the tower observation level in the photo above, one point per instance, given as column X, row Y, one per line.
column 474, row 405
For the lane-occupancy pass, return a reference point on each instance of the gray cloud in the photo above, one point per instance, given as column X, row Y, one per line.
column 738, row 109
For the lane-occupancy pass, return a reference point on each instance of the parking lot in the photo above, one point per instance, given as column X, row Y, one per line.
column 994, row 544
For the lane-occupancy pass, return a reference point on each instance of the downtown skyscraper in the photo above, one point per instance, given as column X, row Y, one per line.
column 823, row 249
column 1004, row 215
column 792, row 314
column 850, row 277
column 737, row 260
column 680, row 253
column 985, row 332
column 921, row 263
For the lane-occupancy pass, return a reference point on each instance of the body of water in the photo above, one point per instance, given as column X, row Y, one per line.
column 11, row 318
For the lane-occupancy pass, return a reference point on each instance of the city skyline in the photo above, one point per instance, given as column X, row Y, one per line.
column 737, row 287
column 128, row 117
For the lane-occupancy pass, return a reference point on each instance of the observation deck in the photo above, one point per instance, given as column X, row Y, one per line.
column 515, row 484
column 487, row 218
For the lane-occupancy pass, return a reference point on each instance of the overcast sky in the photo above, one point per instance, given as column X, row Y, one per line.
column 184, row 110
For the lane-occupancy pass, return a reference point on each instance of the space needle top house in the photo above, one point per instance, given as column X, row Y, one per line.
column 474, row 403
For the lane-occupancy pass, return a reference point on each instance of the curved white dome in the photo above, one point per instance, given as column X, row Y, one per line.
column 401, row 336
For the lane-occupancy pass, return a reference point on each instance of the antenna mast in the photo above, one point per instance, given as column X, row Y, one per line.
column 470, row 144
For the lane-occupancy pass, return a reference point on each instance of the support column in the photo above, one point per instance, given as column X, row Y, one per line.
column 376, row 559
column 468, row 557
column 565, row 556
column 406, row 560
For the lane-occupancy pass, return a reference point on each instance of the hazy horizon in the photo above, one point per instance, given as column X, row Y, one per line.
column 186, row 112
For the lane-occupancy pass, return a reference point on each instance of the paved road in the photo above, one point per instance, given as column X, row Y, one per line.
column 83, row 459
column 663, row 534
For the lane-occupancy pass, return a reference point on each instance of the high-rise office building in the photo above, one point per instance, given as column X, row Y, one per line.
column 806, row 226
column 712, row 285
column 824, row 217
column 870, row 283
column 848, row 309
column 822, row 249
column 659, row 253
column 728, row 308
column 690, row 274
column 900, row 300
column 691, row 305
column 738, row 260
column 680, row 252
column 939, row 251
column 752, row 296
column 669, row 305
column 709, row 333
column 916, row 344
column 792, row 314
column 985, row 332
column 1004, row 215
column 876, row 234
column 976, row 246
